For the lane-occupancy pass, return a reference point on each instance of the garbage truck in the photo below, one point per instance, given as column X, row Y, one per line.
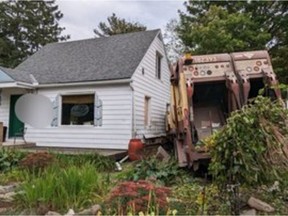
column 205, row 89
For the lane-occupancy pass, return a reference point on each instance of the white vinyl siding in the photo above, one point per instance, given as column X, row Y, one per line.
column 148, row 84
column 114, row 133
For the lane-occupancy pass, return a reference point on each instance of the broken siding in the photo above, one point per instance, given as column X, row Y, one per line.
column 158, row 90
column 114, row 133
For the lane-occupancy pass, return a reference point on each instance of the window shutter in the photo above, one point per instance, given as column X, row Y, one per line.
column 97, row 111
column 54, row 122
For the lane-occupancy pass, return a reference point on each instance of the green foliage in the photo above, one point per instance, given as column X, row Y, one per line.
column 167, row 173
column 221, row 31
column 252, row 147
column 26, row 26
column 9, row 158
column 229, row 26
column 117, row 25
column 279, row 60
column 61, row 189
column 12, row 176
column 100, row 162
column 198, row 199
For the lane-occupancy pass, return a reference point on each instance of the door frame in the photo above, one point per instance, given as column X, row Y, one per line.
column 13, row 117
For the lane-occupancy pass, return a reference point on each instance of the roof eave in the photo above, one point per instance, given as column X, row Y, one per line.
column 100, row 82
column 16, row 85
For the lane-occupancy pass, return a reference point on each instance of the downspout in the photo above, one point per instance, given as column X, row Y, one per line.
column 133, row 120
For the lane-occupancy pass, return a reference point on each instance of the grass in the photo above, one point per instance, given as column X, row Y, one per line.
column 13, row 176
column 61, row 189
column 100, row 162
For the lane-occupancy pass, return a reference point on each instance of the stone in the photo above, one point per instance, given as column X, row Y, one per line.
column 2, row 189
column 162, row 154
column 25, row 212
column 52, row 213
column 91, row 211
column 275, row 187
column 260, row 205
column 3, row 210
column 248, row 212
column 85, row 212
column 95, row 209
column 8, row 188
column 8, row 197
column 70, row 212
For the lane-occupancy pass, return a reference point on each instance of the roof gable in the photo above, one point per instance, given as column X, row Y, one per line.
column 109, row 58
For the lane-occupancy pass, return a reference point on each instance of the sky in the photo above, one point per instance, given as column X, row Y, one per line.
column 82, row 16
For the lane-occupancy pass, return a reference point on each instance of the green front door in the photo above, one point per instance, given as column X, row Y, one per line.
column 15, row 125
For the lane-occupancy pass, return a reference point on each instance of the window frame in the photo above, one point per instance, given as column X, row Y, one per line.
column 147, row 111
column 158, row 67
column 61, row 106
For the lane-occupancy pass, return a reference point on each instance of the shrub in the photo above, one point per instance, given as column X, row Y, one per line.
column 61, row 189
column 37, row 161
column 152, row 169
column 9, row 158
column 252, row 148
column 134, row 197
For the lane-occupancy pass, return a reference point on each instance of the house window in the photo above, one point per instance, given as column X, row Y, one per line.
column 147, row 110
column 78, row 109
column 158, row 65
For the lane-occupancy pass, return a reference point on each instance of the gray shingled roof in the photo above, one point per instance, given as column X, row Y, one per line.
column 109, row 58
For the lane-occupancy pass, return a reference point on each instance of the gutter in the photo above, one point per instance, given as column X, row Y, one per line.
column 104, row 82
column 16, row 85
column 37, row 85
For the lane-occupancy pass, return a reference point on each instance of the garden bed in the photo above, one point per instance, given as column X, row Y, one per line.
column 85, row 182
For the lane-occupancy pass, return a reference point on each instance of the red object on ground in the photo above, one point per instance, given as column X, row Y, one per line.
column 134, row 149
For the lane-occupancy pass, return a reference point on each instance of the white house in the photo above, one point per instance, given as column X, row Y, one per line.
column 105, row 91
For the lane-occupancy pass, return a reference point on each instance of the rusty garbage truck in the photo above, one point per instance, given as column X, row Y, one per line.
column 205, row 89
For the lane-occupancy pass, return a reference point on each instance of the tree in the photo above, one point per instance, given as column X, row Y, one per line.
column 117, row 26
column 228, row 26
column 219, row 31
column 173, row 44
column 26, row 26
